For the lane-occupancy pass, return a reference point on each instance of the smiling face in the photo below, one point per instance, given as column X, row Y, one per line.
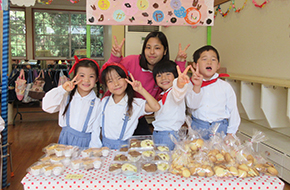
column 116, row 84
column 154, row 52
column 208, row 64
column 165, row 80
column 89, row 79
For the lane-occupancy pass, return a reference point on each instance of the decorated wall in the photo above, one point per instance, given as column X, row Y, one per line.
column 255, row 40
column 150, row 12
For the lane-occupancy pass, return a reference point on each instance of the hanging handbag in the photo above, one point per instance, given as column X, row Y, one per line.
column 20, row 85
column 27, row 98
column 62, row 78
column 36, row 90
column 11, row 85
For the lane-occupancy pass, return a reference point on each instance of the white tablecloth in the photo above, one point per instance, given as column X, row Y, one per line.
column 102, row 179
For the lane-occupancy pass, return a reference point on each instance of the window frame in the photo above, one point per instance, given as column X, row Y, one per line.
column 10, row 35
column 69, row 12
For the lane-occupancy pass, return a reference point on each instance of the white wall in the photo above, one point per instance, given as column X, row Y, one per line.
column 255, row 41
column 196, row 37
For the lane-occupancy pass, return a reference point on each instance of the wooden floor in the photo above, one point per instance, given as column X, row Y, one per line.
column 28, row 137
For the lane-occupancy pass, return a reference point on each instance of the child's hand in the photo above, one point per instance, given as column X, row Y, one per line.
column 117, row 48
column 182, row 55
column 196, row 77
column 70, row 85
column 137, row 86
column 182, row 77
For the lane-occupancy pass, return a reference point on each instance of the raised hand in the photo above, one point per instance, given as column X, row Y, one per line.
column 196, row 78
column 182, row 55
column 70, row 85
column 137, row 86
column 117, row 48
column 182, row 77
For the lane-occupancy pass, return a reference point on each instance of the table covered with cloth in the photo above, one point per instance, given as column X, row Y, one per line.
column 102, row 179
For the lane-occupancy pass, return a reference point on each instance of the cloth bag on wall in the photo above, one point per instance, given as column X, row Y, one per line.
column 36, row 90
column 11, row 85
column 27, row 98
column 20, row 85
column 62, row 78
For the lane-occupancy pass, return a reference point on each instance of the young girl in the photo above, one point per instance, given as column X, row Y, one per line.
column 155, row 49
column 77, row 104
column 120, row 111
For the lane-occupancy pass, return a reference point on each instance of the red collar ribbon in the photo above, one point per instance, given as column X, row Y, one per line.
column 163, row 97
column 205, row 83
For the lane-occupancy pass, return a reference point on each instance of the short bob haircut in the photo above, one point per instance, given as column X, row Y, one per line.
column 197, row 53
column 164, row 67
column 161, row 36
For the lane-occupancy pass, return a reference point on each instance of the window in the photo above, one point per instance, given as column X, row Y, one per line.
column 18, row 33
column 63, row 34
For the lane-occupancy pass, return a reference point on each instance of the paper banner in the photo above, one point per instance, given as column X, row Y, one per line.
column 150, row 12
column 26, row 3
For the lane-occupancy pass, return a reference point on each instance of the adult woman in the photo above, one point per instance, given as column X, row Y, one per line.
column 155, row 49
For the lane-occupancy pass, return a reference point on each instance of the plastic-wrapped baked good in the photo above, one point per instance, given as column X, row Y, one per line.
column 134, row 155
column 129, row 168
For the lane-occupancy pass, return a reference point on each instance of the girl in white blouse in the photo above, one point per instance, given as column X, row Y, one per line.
column 77, row 104
column 120, row 110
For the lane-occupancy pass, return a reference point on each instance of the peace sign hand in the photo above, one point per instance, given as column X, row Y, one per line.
column 136, row 85
column 182, row 55
column 196, row 76
column 70, row 85
column 117, row 48
column 182, row 77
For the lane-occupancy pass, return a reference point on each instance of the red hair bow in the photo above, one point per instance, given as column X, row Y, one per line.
column 78, row 60
column 114, row 64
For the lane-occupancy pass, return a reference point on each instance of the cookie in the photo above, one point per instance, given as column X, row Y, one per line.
column 129, row 167
column 162, row 166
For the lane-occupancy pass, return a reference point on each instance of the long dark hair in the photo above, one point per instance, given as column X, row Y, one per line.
column 129, row 90
column 88, row 64
column 161, row 36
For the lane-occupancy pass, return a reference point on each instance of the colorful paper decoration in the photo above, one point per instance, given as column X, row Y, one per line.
column 150, row 12
column 220, row 10
column 262, row 5
column 45, row 2
column 238, row 10
column 74, row 1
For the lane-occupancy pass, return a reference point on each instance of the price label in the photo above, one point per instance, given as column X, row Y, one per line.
column 74, row 176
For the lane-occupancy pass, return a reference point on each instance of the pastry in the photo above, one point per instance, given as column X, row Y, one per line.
column 129, row 168
column 59, row 151
column 150, row 167
column 134, row 155
column 123, row 149
column 91, row 152
column 76, row 164
column 148, row 154
column 147, row 143
column 163, row 166
column 135, row 143
column 57, row 170
column 55, row 159
column 88, row 163
column 36, row 170
column 120, row 157
column 162, row 148
column 48, row 170
column 162, row 156
column 185, row 172
column 115, row 166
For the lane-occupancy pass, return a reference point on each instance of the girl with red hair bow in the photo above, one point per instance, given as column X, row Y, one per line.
column 77, row 104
